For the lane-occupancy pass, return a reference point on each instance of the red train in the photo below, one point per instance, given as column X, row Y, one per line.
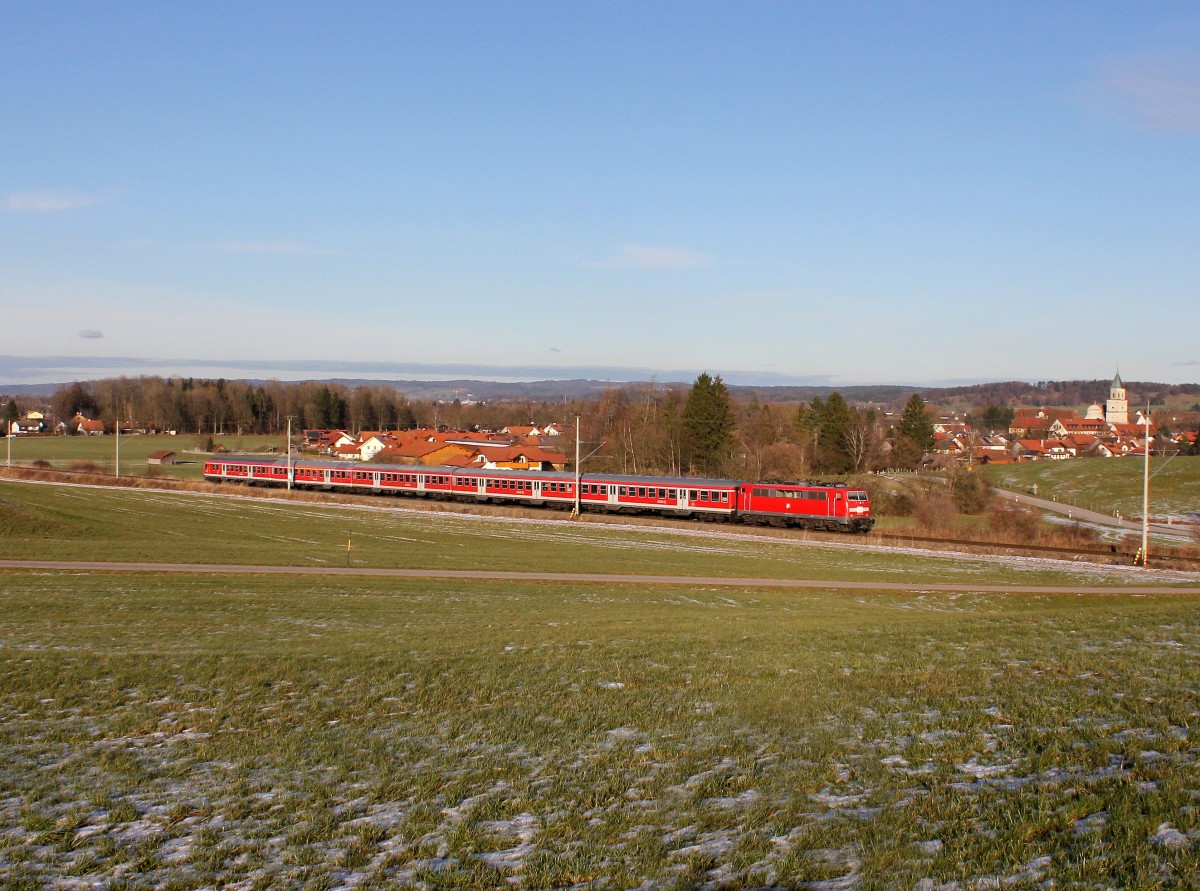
column 809, row 505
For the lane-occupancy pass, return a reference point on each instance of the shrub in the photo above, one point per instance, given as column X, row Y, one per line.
column 1013, row 522
column 1076, row 535
column 971, row 491
column 933, row 509
column 83, row 467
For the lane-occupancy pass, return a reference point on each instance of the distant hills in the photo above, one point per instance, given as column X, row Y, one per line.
column 557, row 391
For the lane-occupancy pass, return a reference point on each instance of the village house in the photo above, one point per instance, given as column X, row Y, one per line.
column 86, row 427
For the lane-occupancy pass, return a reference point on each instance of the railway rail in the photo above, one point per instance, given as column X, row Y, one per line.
column 1111, row 553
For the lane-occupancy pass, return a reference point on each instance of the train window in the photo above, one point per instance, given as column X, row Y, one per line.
column 641, row 492
column 671, row 494
column 858, row 496
column 703, row 495
column 662, row 493
column 724, row 497
column 693, row 495
column 622, row 491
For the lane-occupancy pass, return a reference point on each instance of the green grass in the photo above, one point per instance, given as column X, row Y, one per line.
column 47, row 522
column 206, row 732
column 1109, row 485
column 62, row 451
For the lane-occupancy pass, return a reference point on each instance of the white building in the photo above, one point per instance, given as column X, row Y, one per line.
column 1116, row 410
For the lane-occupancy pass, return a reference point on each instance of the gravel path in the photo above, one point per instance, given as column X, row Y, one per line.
column 574, row 577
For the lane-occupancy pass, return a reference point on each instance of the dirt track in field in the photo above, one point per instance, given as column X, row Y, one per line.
column 580, row 577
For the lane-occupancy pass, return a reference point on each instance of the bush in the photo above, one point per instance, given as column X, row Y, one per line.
column 84, row 467
column 1076, row 535
column 933, row 510
column 42, row 464
column 971, row 491
column 1015, row 523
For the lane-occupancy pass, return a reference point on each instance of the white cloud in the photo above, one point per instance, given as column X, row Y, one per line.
column 48, row 201
column 639, row 256
column 1156, row 92
column 91, row 334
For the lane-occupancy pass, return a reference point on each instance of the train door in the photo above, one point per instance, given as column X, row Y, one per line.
column 612, row 493
column 481, row 486
column 680, row 498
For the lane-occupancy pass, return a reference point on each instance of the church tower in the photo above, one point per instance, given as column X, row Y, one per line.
column 1116, row 410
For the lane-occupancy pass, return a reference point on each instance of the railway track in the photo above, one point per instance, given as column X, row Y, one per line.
column 1110, row 554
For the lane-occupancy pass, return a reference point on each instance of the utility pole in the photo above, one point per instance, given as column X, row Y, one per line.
column 289, row 453
column 117, row 423
column 1146, row 494
column 575, row 511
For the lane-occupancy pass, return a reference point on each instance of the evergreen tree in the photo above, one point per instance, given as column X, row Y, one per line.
column 998, row 417
column 11, row 413
column 834, row 420
column 914, row 434
column 708, row 424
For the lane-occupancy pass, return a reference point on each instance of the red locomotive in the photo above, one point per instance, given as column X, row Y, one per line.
column 835, row 506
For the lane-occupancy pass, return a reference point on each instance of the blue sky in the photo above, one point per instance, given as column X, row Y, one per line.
column 777, row 192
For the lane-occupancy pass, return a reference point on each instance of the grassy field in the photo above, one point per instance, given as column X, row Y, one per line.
column 62, row 451
column 319, row 732
column 47, row 522
column 1109, row 485
column 252, row 733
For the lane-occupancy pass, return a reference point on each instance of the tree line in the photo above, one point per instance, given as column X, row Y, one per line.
column 637, row 428
column 700, row 430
